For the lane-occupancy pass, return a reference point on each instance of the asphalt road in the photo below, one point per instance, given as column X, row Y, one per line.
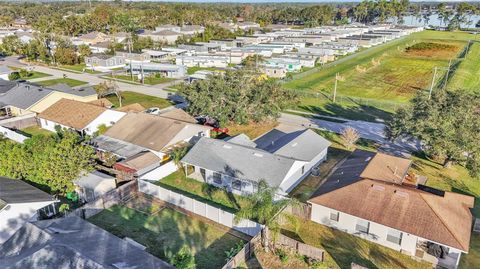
column 92, row 79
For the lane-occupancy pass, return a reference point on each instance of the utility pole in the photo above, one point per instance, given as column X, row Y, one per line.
column 433, row 83
column 129, row 46
column 143, row 77
column 335, row 88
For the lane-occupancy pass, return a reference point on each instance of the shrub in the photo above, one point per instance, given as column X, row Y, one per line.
column 183, row 259
column 429, row 46
column 282, row 254
column 14, row 76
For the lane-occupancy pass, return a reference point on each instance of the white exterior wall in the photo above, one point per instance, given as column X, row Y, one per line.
column 4, row 76
column 377, row 232
column 108, row 117
column 13, row 216
column 160, row 172
column 50, row 125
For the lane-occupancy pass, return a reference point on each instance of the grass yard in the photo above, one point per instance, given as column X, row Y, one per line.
column 456, row 179
column 373, row 80
column 202, row 191
column 78, row 68
column 343, row 248
column 144, row 100
column 70, row 82
column 253, row 129
column 31, row 74
column 467, row 75
column 35, row 130
column 167, row 231
column 192, row 70
column 150, row 80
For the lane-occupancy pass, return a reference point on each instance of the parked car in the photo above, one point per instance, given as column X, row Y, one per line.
column 153, row 111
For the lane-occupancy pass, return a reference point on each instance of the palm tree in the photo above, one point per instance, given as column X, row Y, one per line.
column 264, row 208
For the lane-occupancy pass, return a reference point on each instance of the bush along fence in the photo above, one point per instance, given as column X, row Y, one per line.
column 117, row 196
column 244, row 254
column 199, row 208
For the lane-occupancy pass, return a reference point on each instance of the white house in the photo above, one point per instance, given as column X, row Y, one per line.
column 203, row 61
column 93, row 185
column 372, row 196
column 238, row 164
column 82, row 117
column 20, row 203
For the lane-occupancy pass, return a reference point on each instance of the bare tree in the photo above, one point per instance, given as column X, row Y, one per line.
column 349, row 137
column 107, row 88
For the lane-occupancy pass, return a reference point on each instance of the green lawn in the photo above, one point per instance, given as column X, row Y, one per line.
column 202, row 191
column 35, row 130
column 32, row 74
column 167, row 231
column 456, row 179
column 373, row 80
column 150, row 80
column 80, row 68
column 144, row 100
column 343, row 248
column 70, row 82
column 192, row 70
column 467, row 75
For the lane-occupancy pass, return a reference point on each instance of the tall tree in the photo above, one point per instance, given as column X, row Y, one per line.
column 447, row 124
column 237, row 96
column 264, row 208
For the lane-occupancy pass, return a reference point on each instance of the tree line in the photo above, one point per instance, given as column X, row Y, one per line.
column 72, row 19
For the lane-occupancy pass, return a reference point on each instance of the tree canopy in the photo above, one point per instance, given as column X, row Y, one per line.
column 237, row 96
column 447, row 124
column 50, row 161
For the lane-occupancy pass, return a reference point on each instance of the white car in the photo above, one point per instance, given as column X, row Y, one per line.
column 153, row 111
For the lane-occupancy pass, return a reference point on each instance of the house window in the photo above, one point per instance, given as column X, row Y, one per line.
column 237, row 185
column 334, row 216
column 217, row 178
column 362, row 226
column 394, row 236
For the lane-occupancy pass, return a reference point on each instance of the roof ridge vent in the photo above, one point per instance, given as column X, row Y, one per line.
column 294, row 144
column 401, row 193
column 257, row 154
column 378, row 187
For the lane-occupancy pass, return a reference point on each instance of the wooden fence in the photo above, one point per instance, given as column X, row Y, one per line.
column 244, row 254
column 299, row 247
column 111, row 198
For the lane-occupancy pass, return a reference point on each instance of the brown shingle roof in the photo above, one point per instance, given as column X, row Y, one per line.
column 141, row 161
column 148, row 131
column 445, row 220
column 387, row 168
column 178, row 114
column 72, row 113
column 102, row 102
column 135, row 107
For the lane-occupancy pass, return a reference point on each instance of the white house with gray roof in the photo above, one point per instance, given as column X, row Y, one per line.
column 282, row 159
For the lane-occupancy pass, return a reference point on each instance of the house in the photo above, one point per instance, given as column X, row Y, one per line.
column 134, row 57
column 199, row 75
column 164, row 69
column 104, row 62
column 73, row 243
column 19, row 203
column 100, row 47
column 192, row 29
column 203, row 61
column 372, row 196
column 5, row 72
column 79, row 116
column 169, row 27
column 164, row 36
column 274, row 71
column 281, row 158
column 93, row 185
column 93, row 38
column 27, row 98
column 143, row 142
column 291, row 65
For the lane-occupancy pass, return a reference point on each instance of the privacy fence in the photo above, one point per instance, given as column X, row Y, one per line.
column 12, row 135
column 200, row 208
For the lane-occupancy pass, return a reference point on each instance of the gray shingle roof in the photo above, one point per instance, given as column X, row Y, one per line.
column 81, row 91
column 6, row 85
column 17, row 191
column 301, row 145
column 239, row 161
column 24, row 95
column 72, row 243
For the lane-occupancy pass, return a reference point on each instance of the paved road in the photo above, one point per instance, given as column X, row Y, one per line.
column 152, row 90
column 367, row 130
